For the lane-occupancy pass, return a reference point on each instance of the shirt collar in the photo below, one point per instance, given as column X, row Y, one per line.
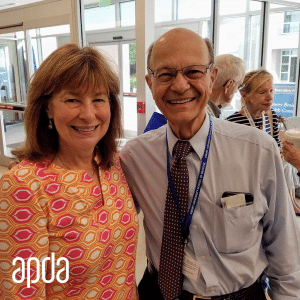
column 197, row 141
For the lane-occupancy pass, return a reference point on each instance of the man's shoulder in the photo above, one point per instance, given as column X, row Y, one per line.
column 148, row 141
column 240, row 133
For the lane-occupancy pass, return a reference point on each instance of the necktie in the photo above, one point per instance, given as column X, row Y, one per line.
column 172, row 249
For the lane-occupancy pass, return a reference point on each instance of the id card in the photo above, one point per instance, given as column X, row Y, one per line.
column 190, row 267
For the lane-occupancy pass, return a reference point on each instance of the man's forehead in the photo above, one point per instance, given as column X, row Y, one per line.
column 173, row 49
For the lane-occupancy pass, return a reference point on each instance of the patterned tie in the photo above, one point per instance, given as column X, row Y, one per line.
column 172, row 249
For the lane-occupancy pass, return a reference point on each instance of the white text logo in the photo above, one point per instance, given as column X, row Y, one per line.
column 44, row 261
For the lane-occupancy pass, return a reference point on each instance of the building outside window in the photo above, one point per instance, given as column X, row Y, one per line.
column 291, row 22
column 288, row 65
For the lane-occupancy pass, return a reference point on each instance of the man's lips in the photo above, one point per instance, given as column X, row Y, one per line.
column 181, row 101
column 85, row 129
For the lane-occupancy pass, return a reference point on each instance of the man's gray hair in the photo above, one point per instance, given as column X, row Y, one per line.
column 230, row 67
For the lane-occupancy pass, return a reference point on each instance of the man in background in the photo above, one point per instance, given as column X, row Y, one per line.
column 230, row 77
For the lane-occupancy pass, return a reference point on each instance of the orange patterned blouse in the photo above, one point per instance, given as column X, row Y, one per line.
column 45, row 209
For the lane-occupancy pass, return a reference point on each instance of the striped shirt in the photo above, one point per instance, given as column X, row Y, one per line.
column 241, row 119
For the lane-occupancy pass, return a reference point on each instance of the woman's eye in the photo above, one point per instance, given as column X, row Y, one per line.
column 72, row 102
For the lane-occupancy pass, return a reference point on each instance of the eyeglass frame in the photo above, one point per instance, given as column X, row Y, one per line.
column 187, row 78
column 241, row 86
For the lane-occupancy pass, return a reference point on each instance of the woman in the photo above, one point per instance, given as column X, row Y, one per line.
column 257, row 98
column 68, row 195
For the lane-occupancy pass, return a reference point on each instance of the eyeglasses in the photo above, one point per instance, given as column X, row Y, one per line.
column 241, row 86
column 190, row 73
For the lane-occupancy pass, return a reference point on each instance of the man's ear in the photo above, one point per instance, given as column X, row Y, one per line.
column 228, row 85
column 214, row 74
column 149, row 82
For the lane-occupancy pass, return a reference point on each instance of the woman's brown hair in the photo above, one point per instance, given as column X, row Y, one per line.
column 72, row 68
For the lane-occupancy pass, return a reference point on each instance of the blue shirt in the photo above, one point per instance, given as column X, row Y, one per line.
column 234, row 246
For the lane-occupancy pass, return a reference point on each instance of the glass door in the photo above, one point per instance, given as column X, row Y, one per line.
column 122, row 56
column 16, row 66
column 23, row 47
column 13, row 88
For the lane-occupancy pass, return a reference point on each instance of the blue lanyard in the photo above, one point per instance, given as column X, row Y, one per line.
column 185, row 223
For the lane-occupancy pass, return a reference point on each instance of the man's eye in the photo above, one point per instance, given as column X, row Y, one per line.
column 194, row 74
column 164, row 76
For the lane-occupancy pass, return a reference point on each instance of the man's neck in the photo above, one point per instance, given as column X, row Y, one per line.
column 215, row 97
column 186, row 131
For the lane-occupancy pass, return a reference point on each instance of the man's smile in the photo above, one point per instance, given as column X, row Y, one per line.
column 181, row 101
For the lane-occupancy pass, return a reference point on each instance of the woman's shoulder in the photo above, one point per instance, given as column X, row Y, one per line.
column 27, row 171
column 235, row 117
column 274, row 113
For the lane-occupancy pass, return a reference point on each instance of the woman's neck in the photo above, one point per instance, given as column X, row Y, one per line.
column 74, row 160
column 254, row 113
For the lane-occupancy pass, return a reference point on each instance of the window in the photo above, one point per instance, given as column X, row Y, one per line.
column 291, row 21
column 127, row 11
column 196, row 9
column 163, row 10
column 104, row 14
column 288, row 65
column 97, row 17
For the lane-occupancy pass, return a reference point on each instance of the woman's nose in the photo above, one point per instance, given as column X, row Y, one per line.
column 87, row 111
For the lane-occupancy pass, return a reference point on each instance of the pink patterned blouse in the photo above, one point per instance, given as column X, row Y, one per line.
column 45, row 209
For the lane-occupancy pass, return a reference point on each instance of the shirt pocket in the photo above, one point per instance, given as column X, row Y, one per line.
column 234, row 229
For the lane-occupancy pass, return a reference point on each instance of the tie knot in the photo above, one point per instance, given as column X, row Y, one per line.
column 182, row 149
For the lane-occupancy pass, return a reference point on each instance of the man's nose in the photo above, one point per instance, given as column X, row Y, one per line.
column 180, row 84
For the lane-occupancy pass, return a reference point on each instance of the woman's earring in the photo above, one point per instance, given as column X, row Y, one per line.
column 50, row 125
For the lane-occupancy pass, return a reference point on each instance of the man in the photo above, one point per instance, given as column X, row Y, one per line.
column 230, row 241
column 230, row 77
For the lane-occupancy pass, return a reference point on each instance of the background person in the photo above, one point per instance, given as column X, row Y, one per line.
column 230, row 77
column 229, row 245
column 292, row 156
column 68, row 195
column 257, row 99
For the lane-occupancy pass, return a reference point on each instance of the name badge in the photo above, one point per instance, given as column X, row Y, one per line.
column 190, row 267
column 234, row 201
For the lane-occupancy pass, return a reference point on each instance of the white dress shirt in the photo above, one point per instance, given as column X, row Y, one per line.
column 233, row 246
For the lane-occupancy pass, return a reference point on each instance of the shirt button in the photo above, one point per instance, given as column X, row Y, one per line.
column 195, row 227
column 203, row 257
column 212, row 289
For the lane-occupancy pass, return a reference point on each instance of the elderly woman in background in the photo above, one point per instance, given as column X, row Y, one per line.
column 257, row 98
column 68, row 195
